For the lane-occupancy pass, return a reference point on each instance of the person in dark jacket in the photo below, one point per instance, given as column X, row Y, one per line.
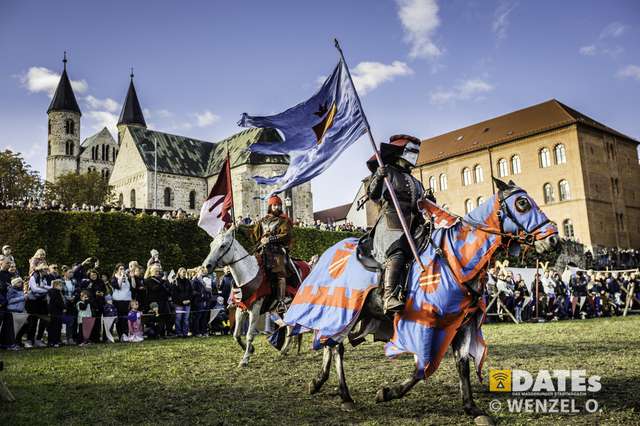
column 97, row 290
column 36, row 306
column 182, row 293
column 198, row 305
column 225, row 285
column 55, row 305
column 158, row 292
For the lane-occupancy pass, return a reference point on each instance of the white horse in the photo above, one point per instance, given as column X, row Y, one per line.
column 251, row 287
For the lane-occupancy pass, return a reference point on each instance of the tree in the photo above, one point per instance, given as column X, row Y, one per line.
column 17, row 181
column 88, row 188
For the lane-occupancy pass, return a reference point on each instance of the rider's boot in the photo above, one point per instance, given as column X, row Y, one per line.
column 393, row 276
column 282, row 292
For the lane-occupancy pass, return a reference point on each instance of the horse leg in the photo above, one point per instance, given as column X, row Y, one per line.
column 299, row 337
column 237, row 330
column 398, row 391
column 254, row 314
column 287, row 341
column 316, row 384
column 347, row 401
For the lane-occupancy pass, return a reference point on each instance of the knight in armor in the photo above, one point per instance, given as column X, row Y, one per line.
column 390, row 246
column 274, row 233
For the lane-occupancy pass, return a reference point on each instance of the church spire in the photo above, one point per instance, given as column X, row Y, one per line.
column 131, row 113
column 63, row 98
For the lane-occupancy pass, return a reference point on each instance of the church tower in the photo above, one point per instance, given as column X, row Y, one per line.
column 63, row 145
column 131, row 114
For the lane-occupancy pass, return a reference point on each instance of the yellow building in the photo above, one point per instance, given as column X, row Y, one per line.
column 584, row 175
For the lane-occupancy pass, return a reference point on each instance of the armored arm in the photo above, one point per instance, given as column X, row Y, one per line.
column 376, row 184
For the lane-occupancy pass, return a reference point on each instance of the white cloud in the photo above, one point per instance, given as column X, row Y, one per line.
column 206, row 118
column 501, row 18
column 465, row 90
column 100, row 119
column 630, row 71
column 107, row 104
column 41, row 79
column 420, row 20
column 613, row 30
column 369, row 75
column 589, row 50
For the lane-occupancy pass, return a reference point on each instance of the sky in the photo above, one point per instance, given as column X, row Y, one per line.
column 422, row 67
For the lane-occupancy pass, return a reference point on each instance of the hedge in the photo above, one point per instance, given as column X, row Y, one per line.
column 113, row 237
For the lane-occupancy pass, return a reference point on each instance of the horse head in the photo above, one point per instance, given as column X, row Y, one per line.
column 221, row 250
column 522, row 221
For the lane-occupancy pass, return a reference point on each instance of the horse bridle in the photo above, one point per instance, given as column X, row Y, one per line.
column 249, row 253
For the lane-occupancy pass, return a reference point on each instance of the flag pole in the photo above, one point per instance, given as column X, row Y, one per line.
column 394, row 198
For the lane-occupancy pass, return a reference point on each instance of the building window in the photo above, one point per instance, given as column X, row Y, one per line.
column 114, row 154
column 480, row 200
column 561, row 154
column 445, row 207
column 466, row 176
column 503, row 168
column 432, row 183
column 563, row 187
column 567, row 226
column 545, row 160
column 132, row 197
column 443, row 182
column 468, row 206
column 477, row 172
column 167, row 197
column 515, row 165
column 105, row 174
column 106, row 151
column 547, row 189
column 69, row 127
column 120, row 199
column 69, row 147
column 48, row 147
column 192, row 200
column 49, row 126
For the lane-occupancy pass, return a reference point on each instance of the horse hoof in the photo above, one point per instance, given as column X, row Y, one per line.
column 484, row 420
column 251, row 349
column 243, row 364
column 382, row 395
column 348, row 406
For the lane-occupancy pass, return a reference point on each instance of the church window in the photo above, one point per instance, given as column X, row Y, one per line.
column 567, row 226
column 102, row 152
column 466, row 176
column 432, row 183
column 515, row 165
column 192, row 200
column 69, row 127
column 121, row 199
column 503, row 168
column 563, row 186
column 545, row 158
column 479, row 175
column 105, row 174
column 547, row 189
column 468, row 206
column 114, row 154
column 132, row 198
column 561, row 154
column 480, row 200
column 167, row 197
column 443, row 182
column 68, row 147
column 106, row 149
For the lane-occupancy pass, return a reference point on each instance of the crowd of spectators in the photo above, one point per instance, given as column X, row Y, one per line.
column 144, row 302
column 578, row 295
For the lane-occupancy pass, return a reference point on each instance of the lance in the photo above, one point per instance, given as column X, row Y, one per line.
column 392, row 193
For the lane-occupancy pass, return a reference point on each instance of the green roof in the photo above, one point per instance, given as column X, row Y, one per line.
column 185, row 156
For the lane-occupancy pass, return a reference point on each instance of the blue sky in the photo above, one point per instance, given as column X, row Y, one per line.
column 423, row 67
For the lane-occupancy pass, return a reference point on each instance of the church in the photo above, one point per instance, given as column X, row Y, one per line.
column 154, row 170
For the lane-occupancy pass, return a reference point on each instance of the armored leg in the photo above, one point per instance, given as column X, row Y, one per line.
column 393, row 282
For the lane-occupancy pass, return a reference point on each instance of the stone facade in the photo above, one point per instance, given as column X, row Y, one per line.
column 593, row 160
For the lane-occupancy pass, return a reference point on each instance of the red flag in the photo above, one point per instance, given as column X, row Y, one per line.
column 214, row 214
column 441, row 217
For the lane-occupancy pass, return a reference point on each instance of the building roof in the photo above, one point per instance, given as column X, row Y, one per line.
column 529, row 121
column 131, row 112
column 334, row 214
column 63, row 98
column 102, row 134
column 185, row 156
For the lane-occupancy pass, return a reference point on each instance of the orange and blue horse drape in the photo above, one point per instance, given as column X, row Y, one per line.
column 331, row 297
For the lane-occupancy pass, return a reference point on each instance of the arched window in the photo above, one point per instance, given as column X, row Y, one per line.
column 192, row 200
column 432, row 183
column 68, row 147
column 443, row 182
column 167, row 197
column 544, row 157
column 477, row 172
column 480, row 200
column 563, row 187
column 69, row 127
column 106, row 151
column 132, row 197
column 561, row 154
column 515, row 165
column 120, row 199
column 503, row 168
column 547, row 189
column 93, row 153
column 114, row 154
column 466, row 176
column 567, row 226
column 105, row 174
column 468, row 206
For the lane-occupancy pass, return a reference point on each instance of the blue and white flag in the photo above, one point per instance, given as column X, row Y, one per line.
column 315, row 132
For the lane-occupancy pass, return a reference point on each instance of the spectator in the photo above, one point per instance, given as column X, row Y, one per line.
column 15, row 304
column 182, row 293
column 36, row 305
column 198, row 304
column 153, row 260
column 83, row 307
column 38, row 258
column 158, row 292
column 97, row 290
column 70, row 294
column 6, row 252
column 225, row 286
column 55, row 305
column 121, row 297
column 138, row 289
column 134, row 324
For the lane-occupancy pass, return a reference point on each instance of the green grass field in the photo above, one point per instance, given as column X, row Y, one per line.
column 196, row 381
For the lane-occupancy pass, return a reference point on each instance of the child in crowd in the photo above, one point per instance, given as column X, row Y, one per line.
column 84, row 311
column 109, row 310
column 153, row 321
column 135, row 324
column 55, row 305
